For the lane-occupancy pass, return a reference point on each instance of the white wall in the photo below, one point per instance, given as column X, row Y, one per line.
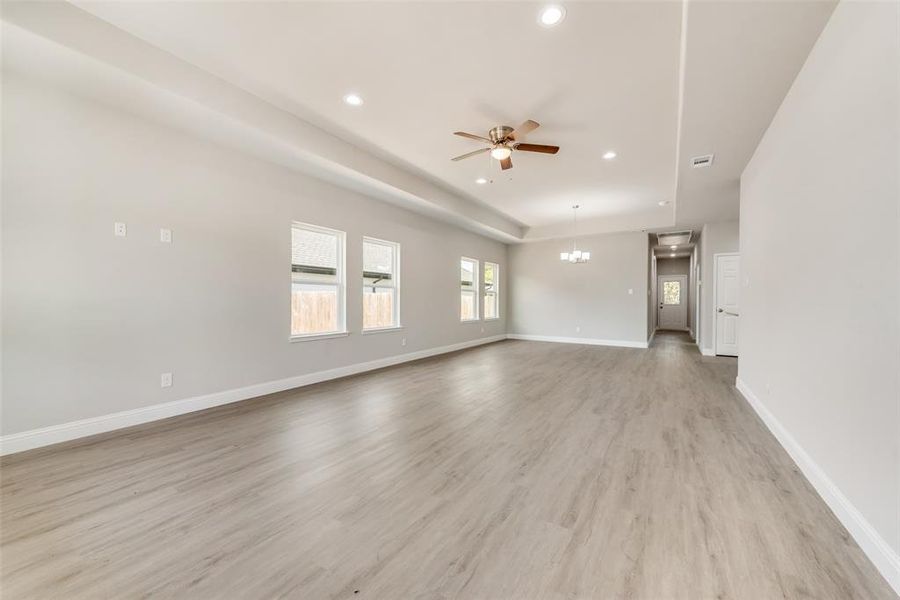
column 715, row 238
column 820, row 222
column 552, row 298
column 90, row 320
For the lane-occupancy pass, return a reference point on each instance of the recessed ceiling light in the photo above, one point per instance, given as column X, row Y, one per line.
column 551, row 15
column 481, row 181
column 672, row 255
column 609, row 155
column 673, row 247
column 663, row 202
column 353, row 99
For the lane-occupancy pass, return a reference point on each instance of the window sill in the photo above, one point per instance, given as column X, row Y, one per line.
column 382, row 330
column 470, row 321
column 318, row 336
column 492, row 319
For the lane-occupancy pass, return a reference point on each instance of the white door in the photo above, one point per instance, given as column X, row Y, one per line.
column 728, row 271
column 672, row 292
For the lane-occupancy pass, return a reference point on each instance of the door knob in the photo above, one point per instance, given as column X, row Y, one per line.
column 721, row 310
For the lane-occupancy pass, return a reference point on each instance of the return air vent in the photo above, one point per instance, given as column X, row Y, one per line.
column 698, row 162
column 674, row 238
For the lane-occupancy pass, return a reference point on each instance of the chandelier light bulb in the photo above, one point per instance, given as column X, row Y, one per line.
column 576, row 255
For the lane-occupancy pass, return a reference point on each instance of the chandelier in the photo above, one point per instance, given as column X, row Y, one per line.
column 576, row 255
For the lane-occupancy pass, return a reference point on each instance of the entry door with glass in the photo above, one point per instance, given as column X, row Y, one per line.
column 672, row 291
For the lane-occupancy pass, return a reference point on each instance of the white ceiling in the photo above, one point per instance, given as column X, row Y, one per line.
column 609, row 77
column 740, row 60
column 606, row 78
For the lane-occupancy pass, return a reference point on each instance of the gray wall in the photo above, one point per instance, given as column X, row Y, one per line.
column 820, row 207
column 673, row 266
column 552, row 298
column 90, row 320
column 716, row 238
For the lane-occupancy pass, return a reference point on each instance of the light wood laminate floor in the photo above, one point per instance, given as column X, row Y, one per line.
column 513, row 470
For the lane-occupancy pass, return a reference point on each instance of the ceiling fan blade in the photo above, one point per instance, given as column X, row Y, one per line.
column 527, row 127
column 473, row 153
column 537, row 148
column 506, row 163
column 523, row 130
column 472, row 136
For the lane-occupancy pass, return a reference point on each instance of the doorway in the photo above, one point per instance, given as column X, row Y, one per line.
column 671, row 293
column 725, row 299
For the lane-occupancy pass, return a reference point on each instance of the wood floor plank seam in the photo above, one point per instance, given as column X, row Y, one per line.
column 515, row 470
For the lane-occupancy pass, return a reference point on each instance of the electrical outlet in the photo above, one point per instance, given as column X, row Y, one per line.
column 120, row 229
column 403, row 342
column 165, row 236
column 165, row 380
column 578, row 329
column 630, row 291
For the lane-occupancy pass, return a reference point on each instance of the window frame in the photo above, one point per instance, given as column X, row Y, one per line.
column 495, row 292
column 341, row 285
column 395, row 278
column 476, row 288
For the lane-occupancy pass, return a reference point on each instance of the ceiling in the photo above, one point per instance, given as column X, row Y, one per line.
column 656, row 82
column 683, row 249
column 740, row 60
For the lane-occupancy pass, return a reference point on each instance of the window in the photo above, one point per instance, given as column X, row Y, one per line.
column 468, row 301
column 671, row 292
column 381, row 284
column 317, row 281
column 491, row 290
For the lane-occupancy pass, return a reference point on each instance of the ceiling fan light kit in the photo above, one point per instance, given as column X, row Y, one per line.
column 501, row 152
column 504, row 140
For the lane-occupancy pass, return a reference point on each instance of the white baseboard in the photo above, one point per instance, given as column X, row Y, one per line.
column 885, row 559
column 45, row 436
column 575, row 340
column 707, row 352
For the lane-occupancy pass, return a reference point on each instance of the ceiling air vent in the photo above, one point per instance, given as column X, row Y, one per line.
column 698, row 162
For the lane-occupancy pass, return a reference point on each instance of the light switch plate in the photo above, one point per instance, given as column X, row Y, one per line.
column 120, row 230
column 165, row 380
column 165, row 236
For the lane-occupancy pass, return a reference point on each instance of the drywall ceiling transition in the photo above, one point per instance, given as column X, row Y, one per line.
column 656, row 82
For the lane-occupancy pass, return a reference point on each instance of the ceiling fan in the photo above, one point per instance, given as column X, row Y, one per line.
column 503, row 141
